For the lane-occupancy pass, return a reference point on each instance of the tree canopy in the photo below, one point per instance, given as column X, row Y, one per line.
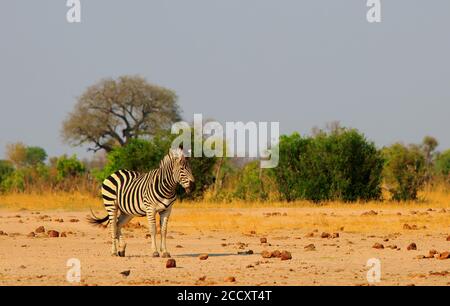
column 112, row 112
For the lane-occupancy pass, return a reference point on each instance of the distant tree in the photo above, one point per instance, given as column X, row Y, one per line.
column 429, row 145
column 405, row 171
column 112, row 112
column 16, row 153
column 35, row 156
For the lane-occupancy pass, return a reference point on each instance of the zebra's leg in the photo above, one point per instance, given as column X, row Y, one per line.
column 123, row 220
column 152, row 226
column 163, row 222
column 113, row 228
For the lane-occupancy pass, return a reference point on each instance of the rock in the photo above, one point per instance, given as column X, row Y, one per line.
column 125, row 273
column 276, row 254
column 53, row 234
column 309, row 235
column 179, row 246
column 285, row 255
column 171, row 263
column 202, row 278
column 31, row 235
column 63, row 234
column 266, row 254
column 393, row 247
column 431, row 253
column 264, row 240
column 369, row 213
column 448, row 238
column 310, row 247
column 420, row 257
column 412, row 247
column 250, row 266
column 230, row 279
column 378, row 246
column 325, row 235
column 203, row 257
column 335, row 235
column 406, row 226
column 444, row 255
column 59, row 220
column 40, row 229
column 74, row 220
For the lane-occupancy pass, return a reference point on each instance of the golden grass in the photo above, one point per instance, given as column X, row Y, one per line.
column 245, row 217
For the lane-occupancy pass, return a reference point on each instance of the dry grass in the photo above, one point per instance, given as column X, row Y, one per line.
column 246, row 217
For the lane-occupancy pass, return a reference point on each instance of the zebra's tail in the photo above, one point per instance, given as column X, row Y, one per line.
column 94, row 220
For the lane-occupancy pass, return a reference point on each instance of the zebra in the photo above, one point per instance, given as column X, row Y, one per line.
column 127, row 194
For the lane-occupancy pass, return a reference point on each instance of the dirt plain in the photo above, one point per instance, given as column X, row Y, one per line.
column 342, row 247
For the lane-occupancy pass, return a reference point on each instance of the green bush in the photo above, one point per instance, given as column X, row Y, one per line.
column 443, row 163
column 341, row 165
column 404, row 171
column 35, row 156
column 250, row 186
column 69, row 167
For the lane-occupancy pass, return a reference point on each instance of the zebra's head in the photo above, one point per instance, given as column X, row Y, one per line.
column 182, row 171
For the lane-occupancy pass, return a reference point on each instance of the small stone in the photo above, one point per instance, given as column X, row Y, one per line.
column 412, row 247
column 63, row 234
column 276, row 254
column 40, row 229
column 230, row 279
column 448, row 238
column 444, row 255
column 31, row 235
column 335, row 235
column 378, row 246
column 203, row 257
column 202, row 278
column 325, row 235
column 125, row 273
column 310, row 247
column 263, row 240
column 179, row 246
column 74, row 220
column 285, row 255
column 171, row 263
column 53, row 234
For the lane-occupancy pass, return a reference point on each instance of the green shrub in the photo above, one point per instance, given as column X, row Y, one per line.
column 404, row 171
column 341, row 165
column 443, row 163
column 69, row 167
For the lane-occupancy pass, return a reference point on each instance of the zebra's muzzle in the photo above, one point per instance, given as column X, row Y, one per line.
column 191, row 187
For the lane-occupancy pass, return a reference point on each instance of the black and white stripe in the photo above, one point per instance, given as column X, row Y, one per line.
column 127, row 194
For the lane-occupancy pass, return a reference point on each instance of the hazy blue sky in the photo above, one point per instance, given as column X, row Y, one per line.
column 302, row 63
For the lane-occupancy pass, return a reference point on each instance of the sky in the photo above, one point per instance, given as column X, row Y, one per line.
column 301, row 63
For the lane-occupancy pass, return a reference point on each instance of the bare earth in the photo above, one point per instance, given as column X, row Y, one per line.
column 335, row 261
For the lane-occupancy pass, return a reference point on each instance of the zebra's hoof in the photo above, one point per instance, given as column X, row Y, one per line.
column 166, row 255
column 155, row 254
column 121, row 253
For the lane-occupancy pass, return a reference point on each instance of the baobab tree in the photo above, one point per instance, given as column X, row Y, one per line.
column 114, row 111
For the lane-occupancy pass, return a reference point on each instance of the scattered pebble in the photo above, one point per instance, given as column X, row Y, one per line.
column 203, row 257
column 171, row 263
column 378, row 246
column 412, row 247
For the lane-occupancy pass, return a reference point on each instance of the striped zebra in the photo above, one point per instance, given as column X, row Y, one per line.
column 127, row 194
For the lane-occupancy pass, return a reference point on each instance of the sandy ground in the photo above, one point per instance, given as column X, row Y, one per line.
column 336, row 261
